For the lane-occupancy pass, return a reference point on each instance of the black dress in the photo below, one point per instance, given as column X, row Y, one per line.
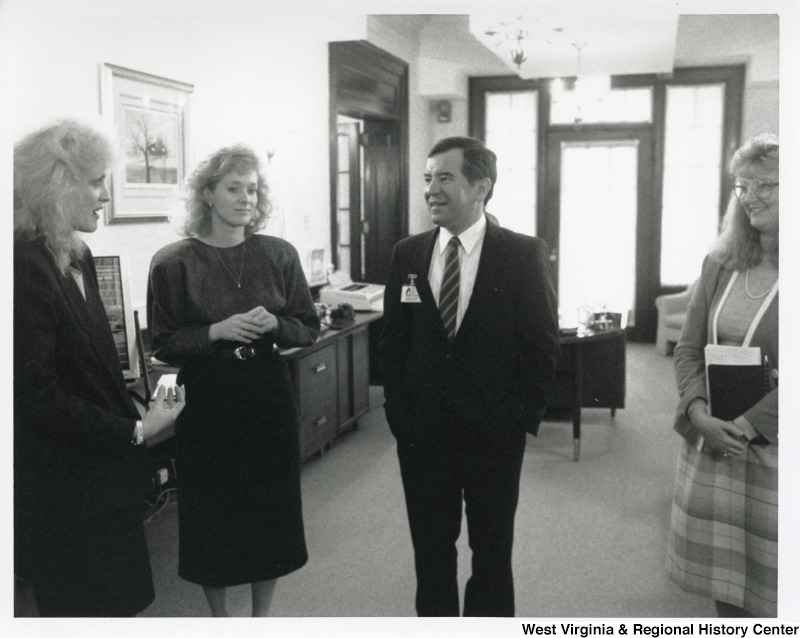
column 238, row 461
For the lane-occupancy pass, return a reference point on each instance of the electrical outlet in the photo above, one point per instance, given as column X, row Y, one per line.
column 162, row 475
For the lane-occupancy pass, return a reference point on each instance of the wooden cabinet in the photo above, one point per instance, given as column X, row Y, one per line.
column 315, row 377
column 595, row 366
column 590, row 374
column 331, row 383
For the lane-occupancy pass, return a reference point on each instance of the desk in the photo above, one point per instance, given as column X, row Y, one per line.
column 330, row 379
column 590, row 374
column 331, row 382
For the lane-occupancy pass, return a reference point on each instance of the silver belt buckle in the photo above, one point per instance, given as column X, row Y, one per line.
column 244, row 352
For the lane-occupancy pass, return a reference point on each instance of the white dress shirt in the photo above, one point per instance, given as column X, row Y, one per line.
column 469, row 256
column 77, row 275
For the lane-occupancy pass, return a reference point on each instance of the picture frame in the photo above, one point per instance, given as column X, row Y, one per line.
column 316, row 267
column 151, row 120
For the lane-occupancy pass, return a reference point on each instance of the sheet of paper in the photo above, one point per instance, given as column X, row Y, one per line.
column 732, row 355
column 167, row 381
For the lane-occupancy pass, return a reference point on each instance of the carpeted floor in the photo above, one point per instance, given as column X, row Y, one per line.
column 590, row 536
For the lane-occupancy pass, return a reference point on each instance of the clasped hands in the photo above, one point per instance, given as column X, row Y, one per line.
column 724, row 437
column 245, row 327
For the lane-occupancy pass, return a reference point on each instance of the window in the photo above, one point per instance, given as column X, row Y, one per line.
column 616, row 105
column 511, row 132
column 687, row 126
column 692, row 179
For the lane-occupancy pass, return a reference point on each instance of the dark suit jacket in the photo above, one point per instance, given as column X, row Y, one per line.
column 73, row 418
column 499, row 368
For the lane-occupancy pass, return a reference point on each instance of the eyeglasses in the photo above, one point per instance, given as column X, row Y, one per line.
column 763, row 190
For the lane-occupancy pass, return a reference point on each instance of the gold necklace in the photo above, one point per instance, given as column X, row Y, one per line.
column 747, row 287
column 238, row 281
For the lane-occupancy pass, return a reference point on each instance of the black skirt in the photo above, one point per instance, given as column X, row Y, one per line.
column 88, row 568
column 238, row 467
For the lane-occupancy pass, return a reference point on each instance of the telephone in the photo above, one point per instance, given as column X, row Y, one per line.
column 342, row 290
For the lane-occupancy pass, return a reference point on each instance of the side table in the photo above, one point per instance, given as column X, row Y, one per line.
column 590, row 374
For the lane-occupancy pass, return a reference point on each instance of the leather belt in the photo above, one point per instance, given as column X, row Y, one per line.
column 243, row 353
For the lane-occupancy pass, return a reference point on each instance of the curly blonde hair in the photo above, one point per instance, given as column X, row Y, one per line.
column 51, row 167
column 739, row 244
column 238, row 158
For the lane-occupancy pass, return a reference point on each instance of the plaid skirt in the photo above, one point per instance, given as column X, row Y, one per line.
column 723, row 541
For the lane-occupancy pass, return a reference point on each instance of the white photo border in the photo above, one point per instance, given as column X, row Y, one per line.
column 125, row 92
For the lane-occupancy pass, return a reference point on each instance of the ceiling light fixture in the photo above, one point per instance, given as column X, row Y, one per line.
column 518, row 34
column 585, row 90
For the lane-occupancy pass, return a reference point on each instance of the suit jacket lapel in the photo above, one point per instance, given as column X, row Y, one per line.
column 490, row 268
column 91, row 315
column 75, row 299
column 422, row 261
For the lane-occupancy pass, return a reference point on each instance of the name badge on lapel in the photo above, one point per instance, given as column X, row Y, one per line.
column 409, row 293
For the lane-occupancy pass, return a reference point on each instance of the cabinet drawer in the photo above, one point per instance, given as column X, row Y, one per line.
column 317, row 429
column 316, row 375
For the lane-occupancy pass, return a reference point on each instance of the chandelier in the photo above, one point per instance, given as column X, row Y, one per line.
column 584, row 91
column 518, row 33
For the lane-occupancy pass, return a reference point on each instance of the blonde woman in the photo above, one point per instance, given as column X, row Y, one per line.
column 724, row 536
column 219, row 302
column 80, row 467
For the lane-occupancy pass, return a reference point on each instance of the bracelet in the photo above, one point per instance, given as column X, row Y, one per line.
column 138, row 434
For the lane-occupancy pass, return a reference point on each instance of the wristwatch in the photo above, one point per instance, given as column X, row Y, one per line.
column 138, row 434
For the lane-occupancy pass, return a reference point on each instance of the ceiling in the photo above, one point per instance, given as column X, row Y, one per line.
column 618, row 42
column 606, row 40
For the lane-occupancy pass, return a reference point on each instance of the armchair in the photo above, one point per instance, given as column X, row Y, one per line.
column 671, row 315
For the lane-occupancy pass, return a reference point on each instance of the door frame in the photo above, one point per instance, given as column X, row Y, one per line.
column 352, row 131
column 369, row 84
column 648, row 219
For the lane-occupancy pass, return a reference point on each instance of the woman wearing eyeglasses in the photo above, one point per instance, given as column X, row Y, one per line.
column 724, row 529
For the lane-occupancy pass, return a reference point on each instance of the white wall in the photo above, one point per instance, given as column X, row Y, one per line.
column 261, row 80
column 257, row 80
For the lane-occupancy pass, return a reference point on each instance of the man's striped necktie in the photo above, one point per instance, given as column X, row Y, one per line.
column 448, row 293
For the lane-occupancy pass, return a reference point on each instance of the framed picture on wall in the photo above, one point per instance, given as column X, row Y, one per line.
column 151, row 118
column 316, row 267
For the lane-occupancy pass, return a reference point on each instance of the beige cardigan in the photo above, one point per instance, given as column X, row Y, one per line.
column 690, row 362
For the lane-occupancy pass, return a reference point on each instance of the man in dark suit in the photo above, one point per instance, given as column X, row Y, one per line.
column 468, row 351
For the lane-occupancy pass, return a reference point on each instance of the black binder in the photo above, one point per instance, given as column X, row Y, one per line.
column 736, row 380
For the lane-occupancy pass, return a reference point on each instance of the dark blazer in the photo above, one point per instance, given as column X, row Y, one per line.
column 73, row 418
column 499, row 368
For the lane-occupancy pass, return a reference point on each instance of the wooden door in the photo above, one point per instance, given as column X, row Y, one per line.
column 371, row 86
column 383, row 215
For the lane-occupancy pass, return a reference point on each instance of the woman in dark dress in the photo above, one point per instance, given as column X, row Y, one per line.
column 80, row 468
column 219, row 302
